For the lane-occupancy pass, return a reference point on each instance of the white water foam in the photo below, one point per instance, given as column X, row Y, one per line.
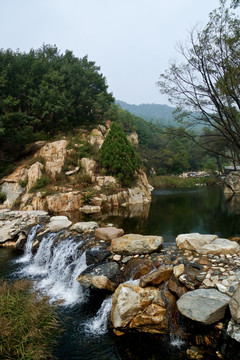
column 28, row 245
column 176, row 341
column 57, row 265
column 98, row 325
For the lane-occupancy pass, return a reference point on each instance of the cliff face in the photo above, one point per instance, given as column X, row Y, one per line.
column 42, row 182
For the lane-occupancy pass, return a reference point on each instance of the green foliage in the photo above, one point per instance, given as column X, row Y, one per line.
column 2, row 197
column 28, row 324
column 118, row 157
column 87, row 197
column 177, row 182
column 40, row 159
column 40, row 184
column 23, row 183
column 43, row 92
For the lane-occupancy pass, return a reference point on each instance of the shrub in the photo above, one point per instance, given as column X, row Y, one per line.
column 23, row 183
column 118, row 157
column 28, row 324
column 40, row 183
column 2, row 197
column 87, row 197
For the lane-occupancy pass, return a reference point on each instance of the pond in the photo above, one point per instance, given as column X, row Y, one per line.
column 204, row 210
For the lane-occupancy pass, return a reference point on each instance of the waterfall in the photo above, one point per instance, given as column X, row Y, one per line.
column 28, row 245
column 55, row 267
column 98, row 325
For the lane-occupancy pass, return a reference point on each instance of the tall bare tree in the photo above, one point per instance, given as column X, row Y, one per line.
column 206, row 87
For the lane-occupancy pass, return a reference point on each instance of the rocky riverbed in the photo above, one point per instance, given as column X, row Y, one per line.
column 151, row 284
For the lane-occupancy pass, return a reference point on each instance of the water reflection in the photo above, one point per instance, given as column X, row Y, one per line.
column 172, row 212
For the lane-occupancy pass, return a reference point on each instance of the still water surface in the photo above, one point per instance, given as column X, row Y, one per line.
column 172, row 212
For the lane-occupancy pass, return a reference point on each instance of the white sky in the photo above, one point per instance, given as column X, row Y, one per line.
column 131, row 40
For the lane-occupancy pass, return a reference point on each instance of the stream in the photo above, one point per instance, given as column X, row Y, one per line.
column 54, row 270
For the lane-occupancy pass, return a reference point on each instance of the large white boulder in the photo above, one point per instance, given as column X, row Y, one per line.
column 219, row 247
column 58, row 223
column 132, row 244
column 193, row 241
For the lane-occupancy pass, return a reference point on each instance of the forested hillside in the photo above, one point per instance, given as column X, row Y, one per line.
column 156, row 113
column 46, row 95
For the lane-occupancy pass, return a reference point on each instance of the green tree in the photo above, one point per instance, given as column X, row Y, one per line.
column 118, row 157
column 206, row 86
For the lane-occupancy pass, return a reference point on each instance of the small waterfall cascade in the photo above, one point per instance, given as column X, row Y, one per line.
column 98, row 324
column 28, row 245
column 55, row 267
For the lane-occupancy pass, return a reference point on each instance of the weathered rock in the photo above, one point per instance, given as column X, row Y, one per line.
column 232, row 182
column 136, row 268
column 12, row 192
column 71, row 172
column 34, row 174
column 233, row 330
column 132, row 244
column 142, row 309
column 21, row 241
column 89, row 166
column 5, row 231
column 176, row 289
column 178, row 270
column 235, row 305
column 162, row 274
column 84, row 227
column 193, row 241
column 58, row 223
column 133, row 138
column 55, row 154
column 187, row 281
column 96, row 138
column 100, row 282
column 105, row 180
column 219, row 247
column 96, row 201
column 108, row 233
column 204, row 305
column 94, row 256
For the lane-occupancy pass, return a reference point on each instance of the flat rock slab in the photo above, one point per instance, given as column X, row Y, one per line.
column 5, row 231
column 108, row 233
column 156, row 277
column 193, row 241
column 219, row 247
column 234, row 306
column 133, row 244
column 58, row 223
column 204, row 305
column 84, row 227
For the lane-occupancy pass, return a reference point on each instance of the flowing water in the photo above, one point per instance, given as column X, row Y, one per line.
column 58, row 261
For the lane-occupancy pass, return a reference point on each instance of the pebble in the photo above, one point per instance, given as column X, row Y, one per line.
column 221, row 288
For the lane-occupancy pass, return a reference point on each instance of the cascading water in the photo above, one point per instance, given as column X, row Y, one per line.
column 28, row 246
column 98, row 325
column 55, row 266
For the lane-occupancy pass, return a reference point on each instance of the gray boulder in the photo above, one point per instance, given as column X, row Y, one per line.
column 94, row 256
column 219, row 247
column 233, row 330
column 192, row 241
column 84, row 227
column 204, row 305
column 100, row 274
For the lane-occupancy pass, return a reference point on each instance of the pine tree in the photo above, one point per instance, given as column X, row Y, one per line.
column 118, row 157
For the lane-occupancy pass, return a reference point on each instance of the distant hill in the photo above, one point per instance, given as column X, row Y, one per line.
column 156, row 113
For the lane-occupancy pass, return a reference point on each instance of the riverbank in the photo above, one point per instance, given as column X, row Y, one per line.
column 173, row 181
column 105, row 261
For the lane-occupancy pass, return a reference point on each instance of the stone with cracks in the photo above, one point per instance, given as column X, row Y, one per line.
column 136, row 308
column 219, row 247
column 133, row 244
column 204, row 305
column 193, row 241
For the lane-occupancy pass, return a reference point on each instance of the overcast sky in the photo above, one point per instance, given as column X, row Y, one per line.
column 131, row 40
